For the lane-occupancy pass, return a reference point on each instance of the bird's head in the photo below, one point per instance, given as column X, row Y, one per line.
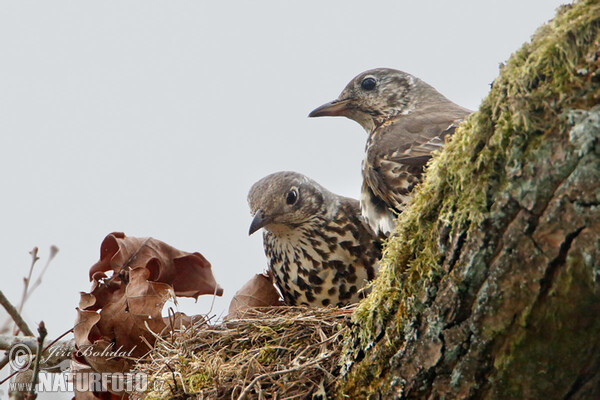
column 373, row 97
column 284, row 200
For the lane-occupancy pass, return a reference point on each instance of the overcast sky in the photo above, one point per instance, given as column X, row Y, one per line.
column 155, row 118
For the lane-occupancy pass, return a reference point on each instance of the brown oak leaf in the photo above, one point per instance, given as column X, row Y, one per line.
column 190, row 274
column 119, row 319
column 123, row 325
column 257, row 292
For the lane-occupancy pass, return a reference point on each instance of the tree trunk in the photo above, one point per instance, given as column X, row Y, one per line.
column 490, row 288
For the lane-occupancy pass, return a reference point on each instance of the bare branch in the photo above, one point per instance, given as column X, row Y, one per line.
column 52, row 355
column 15, row 315
column 28, row 288
column 4, row 361
column 8, row 341
column 38, row 281
column 34, row 259
column 36, row 369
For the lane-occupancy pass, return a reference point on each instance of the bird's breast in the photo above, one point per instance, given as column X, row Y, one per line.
column 317, row 267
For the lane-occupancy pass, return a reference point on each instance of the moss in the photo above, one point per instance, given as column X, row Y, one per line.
column 200, row 379
column 267, row 355
column 219, row 361
column 486, row 152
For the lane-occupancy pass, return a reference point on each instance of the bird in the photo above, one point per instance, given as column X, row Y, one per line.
column 319, row 250
column 406, row 120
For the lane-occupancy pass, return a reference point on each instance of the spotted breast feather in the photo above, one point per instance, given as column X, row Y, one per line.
column 319, row 250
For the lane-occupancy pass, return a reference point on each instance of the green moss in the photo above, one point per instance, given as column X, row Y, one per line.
column 524, row 105
column 200, row 379
column 267, row 355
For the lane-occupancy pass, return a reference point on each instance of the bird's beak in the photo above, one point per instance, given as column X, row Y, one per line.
column 258, row 222
column 332, row 109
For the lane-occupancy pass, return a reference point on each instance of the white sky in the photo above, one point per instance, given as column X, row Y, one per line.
column 155, row 118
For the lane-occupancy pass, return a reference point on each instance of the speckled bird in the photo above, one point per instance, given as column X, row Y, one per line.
column 318, row 247
column 406, row 120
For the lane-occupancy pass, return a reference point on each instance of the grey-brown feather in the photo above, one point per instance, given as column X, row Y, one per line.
column 397, row 152
column 406, row 119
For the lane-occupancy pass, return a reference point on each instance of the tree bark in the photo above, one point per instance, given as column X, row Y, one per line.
column 490, row 288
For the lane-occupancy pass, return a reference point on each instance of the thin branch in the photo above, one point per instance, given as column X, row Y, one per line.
column 15, row 315
column 8, row 377
column 8, row 341
column 34, row 259
column 5, row 360
column 38, row 281
column 36, row 369
column 48, row 361
column 29, row 289
column 52, row 355
column 58, row 338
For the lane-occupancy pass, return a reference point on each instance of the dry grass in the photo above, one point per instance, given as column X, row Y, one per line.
column 275, row 352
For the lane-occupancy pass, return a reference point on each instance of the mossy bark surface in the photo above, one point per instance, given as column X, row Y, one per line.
column 490, row 288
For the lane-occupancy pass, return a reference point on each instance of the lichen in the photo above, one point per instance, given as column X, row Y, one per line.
column 556, row 324
column 486, row 152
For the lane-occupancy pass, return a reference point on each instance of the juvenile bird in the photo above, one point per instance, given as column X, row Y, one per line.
column 319, row 250
column 406, row 120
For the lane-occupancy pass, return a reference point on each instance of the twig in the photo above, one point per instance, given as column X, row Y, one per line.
column 36, row 369
column 8, row 377
column 5, row 360
column 26, row 280
column 38, row 281
column 15, row 315
column 48, row 361
column 276, row 373
column 58, row 338
column 8, row 341
column 28, row 291
column 34, row 259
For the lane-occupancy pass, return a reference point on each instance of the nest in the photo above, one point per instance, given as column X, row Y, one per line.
column 273, row 352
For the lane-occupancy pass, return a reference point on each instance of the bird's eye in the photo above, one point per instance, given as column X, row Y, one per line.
column 368, row 83
column 292, row 197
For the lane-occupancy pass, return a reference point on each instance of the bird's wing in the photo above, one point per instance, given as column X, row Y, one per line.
column 395, row 160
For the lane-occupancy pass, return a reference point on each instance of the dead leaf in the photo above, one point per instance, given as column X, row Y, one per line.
column 257, row 292
column 122, row 328
column 82, row 384
column 119, row 319
column 180, row 321
column 190, row 274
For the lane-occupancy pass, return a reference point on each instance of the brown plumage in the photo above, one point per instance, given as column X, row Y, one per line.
column 319, row 250
column 406, row 120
